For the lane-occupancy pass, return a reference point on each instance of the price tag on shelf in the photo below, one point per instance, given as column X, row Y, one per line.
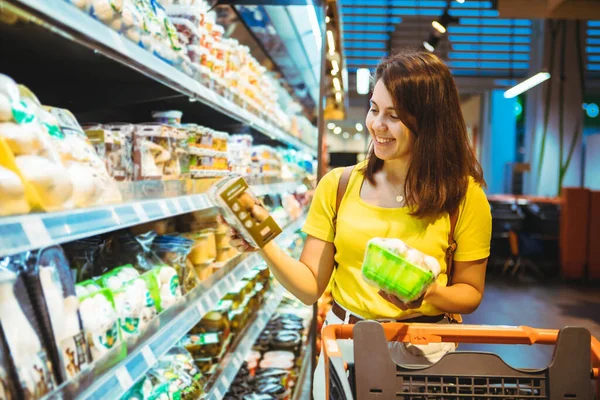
column 177, row 206
column 231, row 280
column 139, row 211
column 148, row 356
column 124, row 378
column 217, row 292
column 36, row 231
column 201, row 308
column 164, row 208
column 190, row 203
column 217, row 392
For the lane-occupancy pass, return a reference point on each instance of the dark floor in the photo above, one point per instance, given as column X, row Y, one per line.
column 535, row 304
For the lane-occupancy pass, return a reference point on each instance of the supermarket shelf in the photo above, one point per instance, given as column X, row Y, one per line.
column 304, row 374
column 112, row 381
column 34, row 231
column 67, row 20
column 234, row 360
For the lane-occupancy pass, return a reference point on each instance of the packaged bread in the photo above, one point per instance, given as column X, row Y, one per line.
column 243, row 211
column 12, row 194
column 396, row 268
column 114, row 144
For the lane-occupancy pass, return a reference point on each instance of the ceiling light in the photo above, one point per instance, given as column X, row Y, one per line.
column 460, row 1
column 357, row 136
column 439, row 27
column 362, row 80
column 327, row 19
column 338, row 97
column 345, row 135
column 336, row 84
column 428, row 46
column 335, row 66
column 526, row 85
column 337, row 130
column 331, row 42
column 330, row 125
column 359, row 127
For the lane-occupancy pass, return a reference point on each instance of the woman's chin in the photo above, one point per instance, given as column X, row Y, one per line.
column 385, row 154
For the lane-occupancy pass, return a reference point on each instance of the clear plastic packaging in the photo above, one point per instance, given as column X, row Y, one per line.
column 173, row 250
column 155, row 153
column 396, row 268
column 52, row 291
column 27, row 356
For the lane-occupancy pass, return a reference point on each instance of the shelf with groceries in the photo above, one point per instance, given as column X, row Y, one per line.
column 180, row 50
column 92, row 317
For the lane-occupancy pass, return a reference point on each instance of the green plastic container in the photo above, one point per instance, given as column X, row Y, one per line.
column 391, row 273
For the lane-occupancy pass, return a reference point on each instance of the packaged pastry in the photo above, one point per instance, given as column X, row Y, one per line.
column 27, row 356
column 13, row 199
column 219, row 140
column 133, row 300
column 114, row 144
column 243, row 211
column 154, row 153
column 92, row 184
column 163, row 283
column 396, row 268
column 179, row 384
column 102, row 325
column 204, row 247
column 173, row 250
column 52, row 291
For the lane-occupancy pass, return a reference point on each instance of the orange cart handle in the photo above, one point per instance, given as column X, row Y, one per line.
column 458, row 333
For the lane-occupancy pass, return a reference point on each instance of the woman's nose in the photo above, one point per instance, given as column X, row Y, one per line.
column 378, row 124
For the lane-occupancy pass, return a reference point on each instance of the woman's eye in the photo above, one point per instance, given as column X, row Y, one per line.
column 373, row 111
column 394, row 117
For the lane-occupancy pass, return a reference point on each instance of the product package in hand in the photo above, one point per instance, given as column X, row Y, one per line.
column 243, row 211
column 396, row 268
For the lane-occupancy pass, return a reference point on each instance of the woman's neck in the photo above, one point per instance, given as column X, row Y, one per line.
column 395, row 171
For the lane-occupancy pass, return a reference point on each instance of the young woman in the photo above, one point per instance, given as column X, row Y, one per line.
column 420, row 170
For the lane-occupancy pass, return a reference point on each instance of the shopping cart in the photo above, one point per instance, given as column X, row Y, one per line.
column 463, row 375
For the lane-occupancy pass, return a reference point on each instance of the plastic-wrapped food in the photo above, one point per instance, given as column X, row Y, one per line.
column 133, row 300
column 12, row 194
column 91, row 182
column 27, row 356
column 52, row 291
column 204, row 248
column 180, row 384
column 155, row 152
column 242, row 210
column 174, row 250
column 396, row 268
column 81, row 255
column 114, row 144
column 180, row 357
column 202, row 159
column 101, row 324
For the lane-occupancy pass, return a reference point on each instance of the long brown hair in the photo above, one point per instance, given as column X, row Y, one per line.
column 426, row 100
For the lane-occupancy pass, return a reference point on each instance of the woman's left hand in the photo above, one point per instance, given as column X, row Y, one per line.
column 407, row 306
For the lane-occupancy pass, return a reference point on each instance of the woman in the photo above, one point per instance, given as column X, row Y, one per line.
column 420, row 170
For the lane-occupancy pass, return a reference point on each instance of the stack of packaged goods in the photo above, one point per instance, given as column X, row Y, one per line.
column 144, row 22
column 203, row 348
column 185, row 34
column 46, row 161
column 272, row 369
column 240, row 154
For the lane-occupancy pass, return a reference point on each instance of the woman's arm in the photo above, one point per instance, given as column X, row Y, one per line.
column 464, row 293
column 462, row 296
column 306, row 279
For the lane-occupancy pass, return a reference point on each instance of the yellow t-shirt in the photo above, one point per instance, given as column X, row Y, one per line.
column 358, row 222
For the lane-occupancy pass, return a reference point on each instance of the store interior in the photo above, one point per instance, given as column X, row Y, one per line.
column 133, row 132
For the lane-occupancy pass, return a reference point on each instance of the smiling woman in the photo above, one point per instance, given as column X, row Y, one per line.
column 420, row 183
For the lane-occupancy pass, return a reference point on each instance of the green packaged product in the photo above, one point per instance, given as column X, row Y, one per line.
column 395, row 268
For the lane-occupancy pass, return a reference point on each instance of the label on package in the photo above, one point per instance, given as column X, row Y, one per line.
column 74, row 354
column 35, row 377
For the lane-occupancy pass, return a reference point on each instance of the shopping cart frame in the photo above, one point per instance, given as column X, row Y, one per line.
column 575, row 362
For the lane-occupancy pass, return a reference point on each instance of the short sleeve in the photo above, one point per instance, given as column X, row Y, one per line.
column 474, row 226
column 319, row 221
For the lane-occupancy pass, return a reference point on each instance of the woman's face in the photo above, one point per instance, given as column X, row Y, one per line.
column 391, row 138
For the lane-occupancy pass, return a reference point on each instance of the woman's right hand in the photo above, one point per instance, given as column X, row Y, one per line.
column 236, row 239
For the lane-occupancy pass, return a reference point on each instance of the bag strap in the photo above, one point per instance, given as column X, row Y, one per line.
column 341, row 191
column 452, row 245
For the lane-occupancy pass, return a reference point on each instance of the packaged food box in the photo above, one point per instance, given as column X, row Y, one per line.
column 52, row 291
column 27, row 357
column 398, row 269
column 243, row 211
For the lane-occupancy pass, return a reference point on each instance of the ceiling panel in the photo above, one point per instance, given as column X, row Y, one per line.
column 477, row 42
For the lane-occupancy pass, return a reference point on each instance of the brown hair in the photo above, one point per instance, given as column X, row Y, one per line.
column 426, row 100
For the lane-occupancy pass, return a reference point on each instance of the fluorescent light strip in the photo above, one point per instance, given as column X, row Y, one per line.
column 331, row 42
column 428, row 46
column 336, row 84
column 362, row 80
column 338, row 98
column 526, row 85
column 439, row 27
